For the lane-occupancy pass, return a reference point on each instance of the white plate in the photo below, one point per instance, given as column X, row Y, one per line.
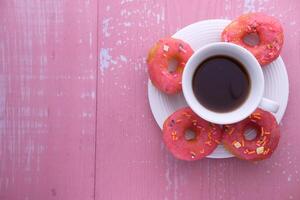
column 198, row 35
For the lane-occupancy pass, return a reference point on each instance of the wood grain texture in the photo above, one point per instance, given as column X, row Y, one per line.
column 48, row 99
column 75, row 122
column 132, row 162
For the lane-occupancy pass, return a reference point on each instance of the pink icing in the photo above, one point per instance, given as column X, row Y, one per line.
column 207, row 135
column 160, row 55
column 268, row 29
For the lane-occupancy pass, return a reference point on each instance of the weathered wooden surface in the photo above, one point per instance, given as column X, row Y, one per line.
column 48, row 54
column 74, row 116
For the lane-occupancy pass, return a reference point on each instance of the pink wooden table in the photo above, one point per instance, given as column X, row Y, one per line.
column 75, row 122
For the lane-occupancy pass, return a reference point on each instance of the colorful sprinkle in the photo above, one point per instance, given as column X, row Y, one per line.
column 259, row 150
column 178, row 120
column 269, row 46
column 217, row 141
column 251, row 152
column 174, row 135
column 237, row 144
column 166, row 48
column 243, row 143
column 262, row 131
column 181, row 48
column 231, row 131
column 208, row 143
column 256, row 116
column 266, row 151
column 193, row 154
column 258, row 143
column 209, row 135
column 187, row 115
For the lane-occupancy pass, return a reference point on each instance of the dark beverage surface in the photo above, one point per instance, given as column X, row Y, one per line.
column 221, row 83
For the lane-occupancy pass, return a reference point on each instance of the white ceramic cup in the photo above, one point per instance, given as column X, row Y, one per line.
column 255, row 97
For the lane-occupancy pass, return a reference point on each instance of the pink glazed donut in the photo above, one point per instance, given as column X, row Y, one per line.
column 259, row 148
column 267, row 28
column 206, row 138
column 159, row 56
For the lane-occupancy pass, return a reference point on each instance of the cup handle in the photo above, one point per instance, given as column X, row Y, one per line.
column 269, row 105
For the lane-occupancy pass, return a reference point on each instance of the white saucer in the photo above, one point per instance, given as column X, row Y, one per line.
column 198, row 35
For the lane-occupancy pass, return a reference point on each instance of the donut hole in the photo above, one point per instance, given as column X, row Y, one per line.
column 172, row 65
column 251, row 39
column 189, row 135
column 251, row 132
